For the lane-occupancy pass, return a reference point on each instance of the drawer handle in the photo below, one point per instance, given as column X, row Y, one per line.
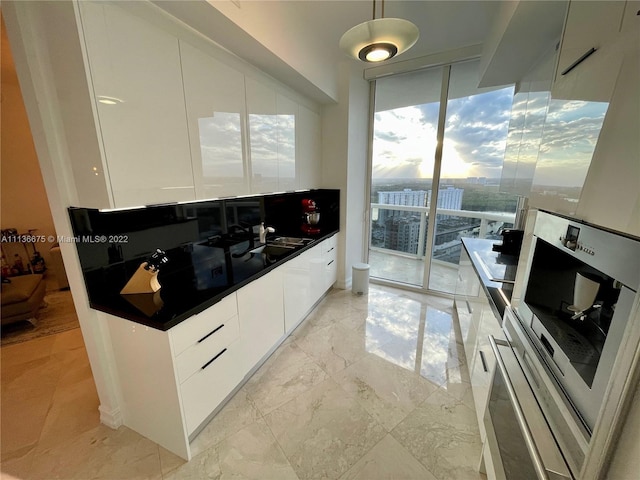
column 468, row 306
column 213, row 359
column 330, row 263
column 484, row 361
column 210, row 333
column 331, row 249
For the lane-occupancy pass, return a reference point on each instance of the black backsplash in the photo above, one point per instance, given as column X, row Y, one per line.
column 203, row 241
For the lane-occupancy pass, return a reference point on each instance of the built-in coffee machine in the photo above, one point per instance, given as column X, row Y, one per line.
column 580, row 284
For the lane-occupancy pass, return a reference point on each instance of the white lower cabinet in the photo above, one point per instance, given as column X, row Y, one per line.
column 483, row 364
column 261, row 315
column 477, row 321
column 329, row 266
column 172, row 382
column 203, row 391
column 306, row 278
column 299, row 294
column 470, row 302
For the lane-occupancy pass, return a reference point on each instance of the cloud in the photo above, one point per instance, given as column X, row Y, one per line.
column 570, row 135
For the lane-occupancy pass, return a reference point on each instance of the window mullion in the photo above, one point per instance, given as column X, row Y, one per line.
column 437, row 168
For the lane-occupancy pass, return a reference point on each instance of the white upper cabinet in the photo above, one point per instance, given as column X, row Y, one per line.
column 152, row 112
column 308, row 141
column 263, row 136
column 283, row 140
column 589, row 61
column 214, row 96
column 137, row 84
column 287, row 124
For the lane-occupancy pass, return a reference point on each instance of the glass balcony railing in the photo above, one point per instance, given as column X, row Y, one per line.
column 398, row 245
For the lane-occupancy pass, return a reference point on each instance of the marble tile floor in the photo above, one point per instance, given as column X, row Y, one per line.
column 369, row 387
column 410, row 270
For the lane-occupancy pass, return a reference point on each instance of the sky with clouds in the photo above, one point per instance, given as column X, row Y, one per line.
column 546, row 141
column 475, row 138
column 553, row 147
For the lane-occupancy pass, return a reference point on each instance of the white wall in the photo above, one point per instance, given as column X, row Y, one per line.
column 26, row 22
column 24, row 201
column 344, row 162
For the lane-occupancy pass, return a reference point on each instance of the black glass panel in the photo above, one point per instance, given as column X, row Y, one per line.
column 208, row 245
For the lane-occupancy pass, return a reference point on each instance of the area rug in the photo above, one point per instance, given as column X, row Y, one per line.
column 55, row 316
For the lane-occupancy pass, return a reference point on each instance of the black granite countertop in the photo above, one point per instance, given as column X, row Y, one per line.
column 496, row 272
column 196, row 277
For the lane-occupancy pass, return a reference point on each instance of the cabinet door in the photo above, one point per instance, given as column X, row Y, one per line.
column 137, row 83
column 263, row 136
column 484, row 363
column 297, row 282
column 211, row 384
column 308, row 166
column 329, row 257
column 470, row 301
column 214, row 96
column 467, row 286
column 261, row 315
column 589, row 25
column 287, row 123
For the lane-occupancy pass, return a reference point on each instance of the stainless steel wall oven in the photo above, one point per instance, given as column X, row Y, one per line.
column 565, row 329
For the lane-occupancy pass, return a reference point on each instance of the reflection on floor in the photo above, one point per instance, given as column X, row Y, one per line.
column 410, row 270
column 366, row 388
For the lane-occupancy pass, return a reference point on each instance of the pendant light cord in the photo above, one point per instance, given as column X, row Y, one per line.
column 374, row 9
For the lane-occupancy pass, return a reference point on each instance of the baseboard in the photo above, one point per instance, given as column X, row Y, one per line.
column 110, row 418
column 344, row 284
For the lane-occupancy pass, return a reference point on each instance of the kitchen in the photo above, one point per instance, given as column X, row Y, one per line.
column 338, row 174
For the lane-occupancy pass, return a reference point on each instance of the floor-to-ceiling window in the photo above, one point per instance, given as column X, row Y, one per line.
column 437, row 154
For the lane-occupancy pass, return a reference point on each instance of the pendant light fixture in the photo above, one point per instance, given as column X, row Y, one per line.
column 379, row 39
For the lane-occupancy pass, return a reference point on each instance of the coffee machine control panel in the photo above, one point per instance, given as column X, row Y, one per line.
column 570, row 241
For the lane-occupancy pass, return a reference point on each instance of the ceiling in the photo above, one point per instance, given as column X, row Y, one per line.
column 296, row 41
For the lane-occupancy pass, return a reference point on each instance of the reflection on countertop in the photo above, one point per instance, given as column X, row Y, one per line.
column 195, row 278
column 496, row 271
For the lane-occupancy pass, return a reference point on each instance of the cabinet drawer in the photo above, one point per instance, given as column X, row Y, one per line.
column 197, row 355
column 329, row 246
column 330, row 273
column 189, row 332
column 481, row 376
column 209, row 386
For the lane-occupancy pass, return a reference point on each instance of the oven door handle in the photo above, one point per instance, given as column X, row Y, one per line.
column 538, row 463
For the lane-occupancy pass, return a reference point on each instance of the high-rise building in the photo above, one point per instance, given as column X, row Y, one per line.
column 406, row 197
column 449, row 198
column 402, row 233
column 401, row 229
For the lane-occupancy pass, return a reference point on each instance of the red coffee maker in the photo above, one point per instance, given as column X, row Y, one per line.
column 310, row 217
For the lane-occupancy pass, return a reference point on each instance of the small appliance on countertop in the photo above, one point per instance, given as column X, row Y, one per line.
column 310, row 217
column 511, row 242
